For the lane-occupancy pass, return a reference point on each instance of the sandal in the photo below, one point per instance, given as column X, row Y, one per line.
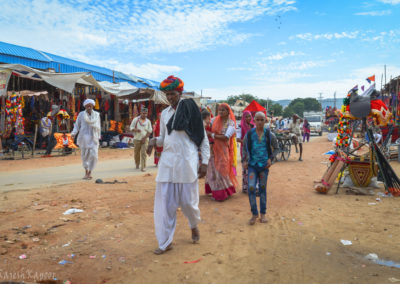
column 263, row 219
column 159, row 251
column 253, row 220
column 195, row 235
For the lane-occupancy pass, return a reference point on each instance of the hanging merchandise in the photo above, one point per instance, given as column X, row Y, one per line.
column 130, row 111
column 14, row 118
column 97, row 105
column 135, row 110
column 72, row 104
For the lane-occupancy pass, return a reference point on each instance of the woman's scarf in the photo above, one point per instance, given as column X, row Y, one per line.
column 243, row 124
column 225, row 152
column 93, row 121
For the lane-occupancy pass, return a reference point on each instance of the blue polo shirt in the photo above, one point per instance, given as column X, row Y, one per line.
column 259, row 151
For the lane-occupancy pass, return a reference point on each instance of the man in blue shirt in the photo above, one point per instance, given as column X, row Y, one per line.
column 257, row 158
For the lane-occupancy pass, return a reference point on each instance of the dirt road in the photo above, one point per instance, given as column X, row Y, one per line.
column 112, row 240
column 67, row 174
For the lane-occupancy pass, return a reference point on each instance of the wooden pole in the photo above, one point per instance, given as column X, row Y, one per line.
column 34, row 140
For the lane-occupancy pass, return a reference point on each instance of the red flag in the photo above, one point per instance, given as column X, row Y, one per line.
column 371, row 79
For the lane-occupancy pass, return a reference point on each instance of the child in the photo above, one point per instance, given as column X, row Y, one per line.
column 257, row 156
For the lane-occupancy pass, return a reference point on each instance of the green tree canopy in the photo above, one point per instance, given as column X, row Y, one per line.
column 287, row 112
column 299, row 106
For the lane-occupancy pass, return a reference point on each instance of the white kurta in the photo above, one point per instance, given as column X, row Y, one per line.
column 86, row 141
column 177, row 180
column 179, row 160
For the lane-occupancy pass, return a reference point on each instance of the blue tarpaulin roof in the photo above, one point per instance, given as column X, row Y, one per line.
column 14, row 54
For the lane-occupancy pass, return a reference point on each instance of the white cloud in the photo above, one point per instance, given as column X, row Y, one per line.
column 374, row 13
column 328, row 36
column 147, row 70
column 391, row 2
column 71, row 26
column 290, row 90
column 280, row 56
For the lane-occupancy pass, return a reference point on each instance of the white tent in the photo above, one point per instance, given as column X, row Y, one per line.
column 67, row 81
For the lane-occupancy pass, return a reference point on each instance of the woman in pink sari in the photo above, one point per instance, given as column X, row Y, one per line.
column 246, row 124
column 221, row 174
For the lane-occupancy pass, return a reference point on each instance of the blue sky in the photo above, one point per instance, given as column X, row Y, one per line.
column 278, row 49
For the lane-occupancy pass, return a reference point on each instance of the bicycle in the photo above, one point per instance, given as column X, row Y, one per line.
column 284, row 146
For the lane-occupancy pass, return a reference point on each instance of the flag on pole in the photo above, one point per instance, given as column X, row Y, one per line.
column 371, row 79
column 354, row 89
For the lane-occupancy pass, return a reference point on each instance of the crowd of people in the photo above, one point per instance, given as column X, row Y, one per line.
column 191, row 144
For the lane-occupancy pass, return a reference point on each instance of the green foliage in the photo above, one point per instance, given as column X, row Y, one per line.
column 287, row 112
column 244, row 97
column 275, row 107
column 299, row 106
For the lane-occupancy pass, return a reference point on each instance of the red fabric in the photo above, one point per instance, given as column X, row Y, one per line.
column 210, row 139
column 220, row 195
column 158, row 149
column 255, row 107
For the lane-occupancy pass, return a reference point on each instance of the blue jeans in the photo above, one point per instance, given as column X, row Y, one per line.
column 260, row 176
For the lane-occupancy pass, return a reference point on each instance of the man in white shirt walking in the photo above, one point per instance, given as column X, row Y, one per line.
column 88, row 126
column 141, row 126
column 182, row 135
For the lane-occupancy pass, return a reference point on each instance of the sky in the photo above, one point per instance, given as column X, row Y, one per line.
column 276, row 49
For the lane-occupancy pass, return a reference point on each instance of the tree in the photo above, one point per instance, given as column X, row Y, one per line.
column 298, row 108
column 311, row 104
column 245, row 97
column 299, row 105
column 288, row 112
column 277, row 109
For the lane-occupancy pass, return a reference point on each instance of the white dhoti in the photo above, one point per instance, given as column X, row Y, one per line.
column 89, row 157
column 168, row 197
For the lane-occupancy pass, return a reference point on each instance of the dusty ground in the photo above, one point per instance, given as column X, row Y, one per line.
column 113, row 238
column 57, row 160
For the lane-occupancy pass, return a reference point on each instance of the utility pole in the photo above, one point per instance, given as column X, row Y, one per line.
column 320, row 99
column 385, row 75
column 334, row 100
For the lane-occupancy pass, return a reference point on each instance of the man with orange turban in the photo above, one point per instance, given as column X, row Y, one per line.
column 182, row 136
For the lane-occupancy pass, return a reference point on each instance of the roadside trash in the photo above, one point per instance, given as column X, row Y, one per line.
column 372, row 256
column 66, row 245
column 378, row 199
column 193, row 261
column 103, row 256
column 35, row 239
column 26, row 227
column 293, row 220
column 63, row 262
column 92, row 256
column 99, row 180
column 22, row 256
column 122, row 259
column 371, row 203
column 72, row 211
column 300, row 223
column 393, row 280
column 328, row 253
column 346, row 242
column 71, row 255
column 375, row 259
column 331, row 152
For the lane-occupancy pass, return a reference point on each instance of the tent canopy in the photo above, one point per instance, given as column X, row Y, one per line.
column 147, row 94
column 67, row 81
column 255, row 107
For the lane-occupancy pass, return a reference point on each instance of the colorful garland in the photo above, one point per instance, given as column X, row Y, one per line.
column 344, row 130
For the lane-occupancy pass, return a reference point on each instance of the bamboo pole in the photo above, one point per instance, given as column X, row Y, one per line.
column 34, row 140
